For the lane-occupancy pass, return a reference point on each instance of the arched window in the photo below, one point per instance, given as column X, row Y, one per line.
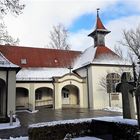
column 111, row 80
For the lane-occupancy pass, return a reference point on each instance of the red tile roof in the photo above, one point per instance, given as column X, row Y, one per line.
column 99, row 24
column 39, row 57
column 102, row 51
column 99, row 28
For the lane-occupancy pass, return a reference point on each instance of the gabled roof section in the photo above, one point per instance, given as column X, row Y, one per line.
column 102, row 51
column 5, row 63
column 39, row 57
column 100, row 55
column 85, row 58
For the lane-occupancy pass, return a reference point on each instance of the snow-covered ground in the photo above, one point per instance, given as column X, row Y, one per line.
column 18, row 138
column 113, row 109
column 61, row 122
column 32, row 112
column 8, row 126
column 108, row 119
column 86, row 138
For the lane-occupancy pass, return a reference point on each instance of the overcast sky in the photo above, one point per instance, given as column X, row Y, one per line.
column 78, row 16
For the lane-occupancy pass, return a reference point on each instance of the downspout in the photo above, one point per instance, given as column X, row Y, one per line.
column 7, row 76
column 88, row 87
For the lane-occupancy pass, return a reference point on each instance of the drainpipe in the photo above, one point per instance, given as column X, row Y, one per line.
column 7, row 75
column 88, row 87
column 53, row 93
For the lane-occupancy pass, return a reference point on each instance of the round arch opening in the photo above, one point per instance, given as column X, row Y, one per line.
column 70, row 96
column 22, row 98
column 2, row 98
column 44, row 97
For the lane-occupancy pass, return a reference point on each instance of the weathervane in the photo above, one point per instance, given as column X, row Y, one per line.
column 98, row 10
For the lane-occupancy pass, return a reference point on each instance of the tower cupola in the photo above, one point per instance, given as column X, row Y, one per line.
column 99, row 33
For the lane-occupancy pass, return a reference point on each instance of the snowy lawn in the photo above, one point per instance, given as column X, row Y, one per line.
column 86, row 138
column 18, row 138
column 81, row 138
column 118, row 119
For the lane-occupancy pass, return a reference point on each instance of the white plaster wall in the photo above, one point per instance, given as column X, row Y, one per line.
column 23, row 85
column 11, row 91
column 83, row 73
column 39, row 85
column 90, row 79
column 74, row 95
column 100, row 97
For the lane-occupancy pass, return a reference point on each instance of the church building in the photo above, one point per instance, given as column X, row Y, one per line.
column 36, row 77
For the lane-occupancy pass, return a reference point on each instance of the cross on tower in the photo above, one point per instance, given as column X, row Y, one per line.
column 70, row 68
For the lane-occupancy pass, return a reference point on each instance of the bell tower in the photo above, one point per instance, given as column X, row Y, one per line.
column 99, row 33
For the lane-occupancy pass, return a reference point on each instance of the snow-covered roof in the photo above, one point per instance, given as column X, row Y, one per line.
column 43, row 74
column 85, row 58
column 99, row 55
column 5, row 63
column 109, row 59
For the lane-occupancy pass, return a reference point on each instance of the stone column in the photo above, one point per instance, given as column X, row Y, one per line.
column 58, row 100
column 32, row 97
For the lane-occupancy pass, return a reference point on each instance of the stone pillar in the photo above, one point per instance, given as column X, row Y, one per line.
column 32, row 97
column 81, row 98
column 58, row 97
column 11, row 92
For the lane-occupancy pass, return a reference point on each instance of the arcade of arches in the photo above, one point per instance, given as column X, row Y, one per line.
column 44, row 97
column 67, row 91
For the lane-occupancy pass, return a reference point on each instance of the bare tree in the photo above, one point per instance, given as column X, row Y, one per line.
column 131, row 39
column 13, row 6
column 5, row 38
column 118, row 51
column 59, row 36
column 126, row 54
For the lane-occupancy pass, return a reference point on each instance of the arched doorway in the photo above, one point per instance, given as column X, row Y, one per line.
column 44, row 97
column 22, row 98
column 70, row 96
column 2, row 98
column 111, row 80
